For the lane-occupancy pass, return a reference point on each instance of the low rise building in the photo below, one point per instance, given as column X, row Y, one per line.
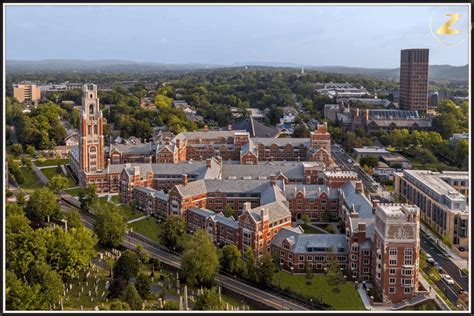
column 26, row 93
column 370, row 151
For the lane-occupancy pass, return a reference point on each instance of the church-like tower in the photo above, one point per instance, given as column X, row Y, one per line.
column 91, row 143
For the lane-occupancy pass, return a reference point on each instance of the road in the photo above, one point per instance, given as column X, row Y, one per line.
column 461, row 279
column 131, row 240
column 342, row 159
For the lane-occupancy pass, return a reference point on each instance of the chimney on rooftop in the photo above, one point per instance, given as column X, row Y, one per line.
column 247, row 206
column 229, row 127
column 375, row 204
column 206, row 128
column 184, row 179
column 273, row 179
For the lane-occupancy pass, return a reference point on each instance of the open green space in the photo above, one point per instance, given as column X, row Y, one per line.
column 73, row 192
column 51, row 162
column 51, row 172
column 345, row 298
column 129, row 214
column 148, row 227
column 310, row 230
column 116, row 199
column 31, row 181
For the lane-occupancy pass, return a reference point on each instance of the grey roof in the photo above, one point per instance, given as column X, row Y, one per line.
column 197, row 168
column 138, row 149
column 209, row 134
column 301, row 242
column 276, row 211
column 227, row 221
column 282, row 141
column 361, row 204
column 255, row 128
column 310, row 191
column 222, row 185
column 291, row 170
column 160, row 194
column 369, row 225
column 201, row 211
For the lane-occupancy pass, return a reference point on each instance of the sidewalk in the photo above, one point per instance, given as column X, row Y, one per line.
column 460, row 262
column 137, row 219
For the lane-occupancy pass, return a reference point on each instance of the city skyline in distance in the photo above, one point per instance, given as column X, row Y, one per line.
column 229, row 35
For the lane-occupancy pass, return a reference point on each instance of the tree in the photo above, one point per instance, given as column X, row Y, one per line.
column 26, row 162
column 110, row 225
column 209, row 300
column 325, row 216
column 461, row 152
column 265, row 270
column 30, row 150
column 334, row 275
column 73, row 218
column 171, row 306
column 117, row 288
column 143, row 286
column 58, row 183
column 250, row 271
column 117, row 305
column 132, row 297
column 200, row 261
column 16, row 149
column 171, row 234
column 50, row 283
column 231, row 260
column 309, row 275
column 127, row 266
column 228, row 210
column 305, row 219
column 68, row 253
column 19, row 294
column 42, row 205
column 87, row 196
column 369, row 161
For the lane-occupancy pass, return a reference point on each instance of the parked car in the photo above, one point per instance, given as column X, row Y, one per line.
column 448, row 279
column 436, row 265
column 429, row 258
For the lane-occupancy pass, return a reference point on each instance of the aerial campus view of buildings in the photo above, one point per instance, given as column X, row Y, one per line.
column 367, row 218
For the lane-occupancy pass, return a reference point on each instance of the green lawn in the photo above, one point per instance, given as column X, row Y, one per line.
column 116, row 199
column 129, row 214
column 310, row 230
column 346, row 299
column 73, row 192
column 31, row 181
column 51, row 162
column 51, row 172
column 147, row 227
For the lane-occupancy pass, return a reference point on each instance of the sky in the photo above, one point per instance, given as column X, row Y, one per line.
column 355, row 36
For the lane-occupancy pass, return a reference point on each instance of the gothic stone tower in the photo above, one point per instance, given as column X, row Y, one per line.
column 321, row 138
column 91, row 143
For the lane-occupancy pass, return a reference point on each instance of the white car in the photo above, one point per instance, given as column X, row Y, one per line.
column 448, row 279
column 429, row 258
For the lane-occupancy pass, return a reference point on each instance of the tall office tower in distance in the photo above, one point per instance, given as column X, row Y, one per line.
column 414, row 79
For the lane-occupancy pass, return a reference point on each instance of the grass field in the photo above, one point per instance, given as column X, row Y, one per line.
column 147, row 227
column 310, row 230
column 116, row 199
column 51, row 172
column 73, row 192
column 347, row 298
column 31, row 181
column 51, row 162
column 129, row 214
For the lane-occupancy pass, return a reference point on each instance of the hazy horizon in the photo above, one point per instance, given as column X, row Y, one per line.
column 348, row 36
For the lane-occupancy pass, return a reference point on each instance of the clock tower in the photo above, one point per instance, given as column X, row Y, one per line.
column 91, row 142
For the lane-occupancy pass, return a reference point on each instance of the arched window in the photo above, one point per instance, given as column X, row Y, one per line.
column 91, row 109
column 89, row 129
column 95, row 129
column 91, row 96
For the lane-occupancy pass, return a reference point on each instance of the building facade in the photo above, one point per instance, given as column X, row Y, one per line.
column 414, row 79
column 26, row 93
column 443, row 208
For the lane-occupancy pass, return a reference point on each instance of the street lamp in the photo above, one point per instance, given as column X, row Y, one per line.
column 291, row 268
